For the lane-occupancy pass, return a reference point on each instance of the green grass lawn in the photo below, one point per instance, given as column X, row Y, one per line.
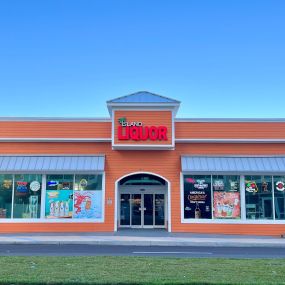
column 139, row 270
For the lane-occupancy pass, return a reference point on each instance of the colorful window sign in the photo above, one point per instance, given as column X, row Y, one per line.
column 201, row 184
column 218, row 184
column 79, row 200
column 251, row 186
column 88, row 197
column 280, row 186
column 67, row 196
column 226, row 197
column 226, row 204
column 87, row 205
column 52, row 183
column 59, row 204
column 197, row 197
column 21, row 188
column 35, row 186
column 59, row 196
column 138, row 132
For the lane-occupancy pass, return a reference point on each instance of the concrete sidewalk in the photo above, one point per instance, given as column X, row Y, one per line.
column 143, row 238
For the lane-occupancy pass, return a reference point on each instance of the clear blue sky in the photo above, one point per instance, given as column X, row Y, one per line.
column 66, row 58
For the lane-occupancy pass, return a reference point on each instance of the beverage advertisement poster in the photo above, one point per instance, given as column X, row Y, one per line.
column 87, row 205
column 59, row 204
column 226, row 204
column 197, row 197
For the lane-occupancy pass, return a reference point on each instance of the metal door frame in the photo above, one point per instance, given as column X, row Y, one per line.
column 154, row 192
column 167, row 192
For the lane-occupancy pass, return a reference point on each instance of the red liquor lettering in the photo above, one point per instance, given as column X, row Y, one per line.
column 142, row 133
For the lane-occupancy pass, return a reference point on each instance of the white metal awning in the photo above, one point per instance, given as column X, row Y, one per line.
column 239, row 165
column 51, row 164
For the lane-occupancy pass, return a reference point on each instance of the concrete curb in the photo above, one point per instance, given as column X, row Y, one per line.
column 214, row 243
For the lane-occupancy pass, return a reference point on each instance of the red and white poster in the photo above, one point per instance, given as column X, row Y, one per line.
column 226, row 204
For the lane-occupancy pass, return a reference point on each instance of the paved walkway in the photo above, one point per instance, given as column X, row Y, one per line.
column 143, row 238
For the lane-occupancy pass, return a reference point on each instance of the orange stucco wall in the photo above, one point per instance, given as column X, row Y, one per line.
column 183, row 130
column 165, row 163
column 44, row 129
column 230, row 130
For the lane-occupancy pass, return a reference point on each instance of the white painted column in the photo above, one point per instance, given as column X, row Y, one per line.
column 242, row 198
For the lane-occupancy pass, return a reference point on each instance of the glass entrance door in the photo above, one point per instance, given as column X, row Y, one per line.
column 142, row 210
column 159, row 209
column 148, row 210
column 136, row 209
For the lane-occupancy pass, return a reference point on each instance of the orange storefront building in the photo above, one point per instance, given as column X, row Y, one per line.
column 142, row 168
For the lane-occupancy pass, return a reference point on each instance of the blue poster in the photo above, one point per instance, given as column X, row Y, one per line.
column 87, row 205
column 59, row 204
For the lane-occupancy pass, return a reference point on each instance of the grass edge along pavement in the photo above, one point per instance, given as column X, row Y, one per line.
column 140, row 270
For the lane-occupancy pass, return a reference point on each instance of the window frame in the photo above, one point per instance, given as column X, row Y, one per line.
column 13, row 196
column 242, row 219
column 42, row 218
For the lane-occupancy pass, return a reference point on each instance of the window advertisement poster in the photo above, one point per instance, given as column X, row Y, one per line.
column 197, row 197
column 226, row 197
column 226, row 204
column 87, row 205
column 59, row 204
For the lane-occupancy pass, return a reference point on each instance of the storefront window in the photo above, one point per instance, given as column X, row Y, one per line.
column 279, row 197
column 81, row 200
column 6, row 188
column 88, row 182
column 27, row 196
column 258, row 197
column 226, row 193
column 197, row 197
column 59, row 196
column 88, row 197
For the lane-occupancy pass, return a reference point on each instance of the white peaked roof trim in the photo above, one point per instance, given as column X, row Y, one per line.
column 143, row 100
column 143, row 97
column 52, row 164
column 234, row 164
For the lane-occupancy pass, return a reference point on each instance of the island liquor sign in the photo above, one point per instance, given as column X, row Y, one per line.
column 137, row 129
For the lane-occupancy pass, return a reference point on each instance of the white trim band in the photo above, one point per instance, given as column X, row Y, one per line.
column 55, row 139
column 230, row 120
column 230, row 140
column 126, row 146
column 54, row 119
